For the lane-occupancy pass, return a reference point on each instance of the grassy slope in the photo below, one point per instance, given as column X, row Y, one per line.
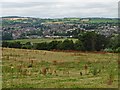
column 39, row 40
column 103, row 20
column 67, row 61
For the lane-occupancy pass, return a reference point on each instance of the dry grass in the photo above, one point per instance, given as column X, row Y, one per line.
column 45, row 69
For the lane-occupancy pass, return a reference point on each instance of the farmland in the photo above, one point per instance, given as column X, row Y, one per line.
column 39, row 40
column 23, row 68
column 103, row 20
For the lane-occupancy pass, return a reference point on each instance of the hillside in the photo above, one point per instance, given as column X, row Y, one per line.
column 15, row 27
column 24, row 69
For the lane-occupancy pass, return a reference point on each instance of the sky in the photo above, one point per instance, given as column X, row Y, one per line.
column 60, row 8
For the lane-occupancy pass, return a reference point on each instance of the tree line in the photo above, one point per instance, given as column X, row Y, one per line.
column 87, row 41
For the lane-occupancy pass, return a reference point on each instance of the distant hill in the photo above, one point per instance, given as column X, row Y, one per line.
column 12, row 17
column 60, row 18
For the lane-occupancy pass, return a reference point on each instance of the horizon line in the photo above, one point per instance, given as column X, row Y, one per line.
column 55, row 17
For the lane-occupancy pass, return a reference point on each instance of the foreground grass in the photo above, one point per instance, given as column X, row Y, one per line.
column 72, row 62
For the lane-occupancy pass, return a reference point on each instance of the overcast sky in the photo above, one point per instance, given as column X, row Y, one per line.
column 60, row 8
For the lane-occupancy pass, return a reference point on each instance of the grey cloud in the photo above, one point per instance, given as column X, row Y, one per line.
column 60, row 9
column 25, row 5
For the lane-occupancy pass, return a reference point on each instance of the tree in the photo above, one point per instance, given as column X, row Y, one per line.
column 114, row 42
column 88, row 39
column 67, row 45
column 41, row 46
column 15, row 44
column 101, row 42
column 93, row 41
column 7, row 36
column 53, row 45
column 78, row 45
column 5, row 44
column 27, row 45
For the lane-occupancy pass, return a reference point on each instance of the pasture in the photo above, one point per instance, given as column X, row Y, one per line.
column 103, row 20
column 40, row 40
column 23, row 68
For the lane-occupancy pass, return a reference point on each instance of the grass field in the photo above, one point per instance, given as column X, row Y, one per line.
column 40, row 40
column 103, row 21
column 47, row 69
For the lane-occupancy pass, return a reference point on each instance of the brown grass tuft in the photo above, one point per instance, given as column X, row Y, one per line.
column 54, row 62
column 44, row 71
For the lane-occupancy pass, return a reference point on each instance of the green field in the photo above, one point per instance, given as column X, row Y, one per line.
column 39, row 40
column 24, row 69
column 103, row 21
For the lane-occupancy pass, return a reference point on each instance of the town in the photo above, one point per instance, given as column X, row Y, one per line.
column 14, row 27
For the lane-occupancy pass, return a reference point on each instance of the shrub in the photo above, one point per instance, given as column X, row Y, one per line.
column 117, row 50
column 108, row 50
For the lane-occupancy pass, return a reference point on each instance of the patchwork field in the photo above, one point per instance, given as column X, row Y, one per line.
column 47, row 69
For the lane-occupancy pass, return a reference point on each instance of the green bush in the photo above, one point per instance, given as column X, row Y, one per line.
column 108, row 50
column 117, row 50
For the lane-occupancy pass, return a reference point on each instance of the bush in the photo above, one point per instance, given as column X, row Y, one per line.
column 117, row 50
column 78, row 45
column 53, row 45
column 14, row 45
column 67, row 45
column 5, row 44
column 108, row 50
column 41, row 46
column 27, row 47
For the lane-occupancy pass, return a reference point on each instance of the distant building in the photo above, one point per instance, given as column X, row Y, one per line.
column 85, row 20
column 14, row 18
